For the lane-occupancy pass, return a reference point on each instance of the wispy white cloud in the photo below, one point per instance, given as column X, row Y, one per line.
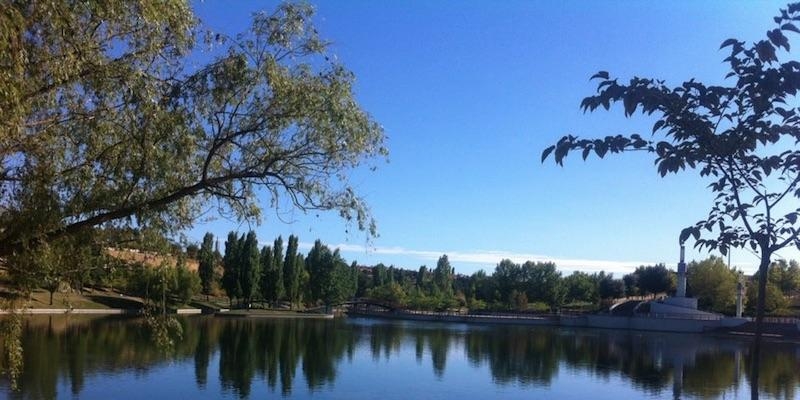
column 486, row 258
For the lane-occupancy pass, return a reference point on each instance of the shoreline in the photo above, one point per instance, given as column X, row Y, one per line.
column 90, row 311
column 225, row 313
column 733, row 327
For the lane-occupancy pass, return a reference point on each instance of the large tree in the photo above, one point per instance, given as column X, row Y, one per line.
column 714, row 284
column 250, row 272
column 231, row 267
column 542, row 282
column 653, row 279
column 443, row 276
column 318, row 263
column 109, row 118
column 277, row 269
column 292, row 272
column 206, row 264
column 332, row 280
column 267, row 282
column 742, row 135
column 508, row 277
column 580, row 287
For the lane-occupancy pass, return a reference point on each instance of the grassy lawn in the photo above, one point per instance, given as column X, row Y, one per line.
column 90, row 299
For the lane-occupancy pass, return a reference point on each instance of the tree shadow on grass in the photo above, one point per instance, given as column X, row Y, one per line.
column 120, row 302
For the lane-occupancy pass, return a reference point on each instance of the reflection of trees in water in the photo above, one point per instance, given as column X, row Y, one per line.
column 712, row 374
column 438, row 343
column 75, row 346
column 202, row 356
column 515, row 354
column 384, row 339
column 237, row 357
column 274, row 351
column 779, row 374
column 388, row 339
column 636, row 361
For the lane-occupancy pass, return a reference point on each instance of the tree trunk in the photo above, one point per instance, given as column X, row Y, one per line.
column 51, row 297
column 763, row 271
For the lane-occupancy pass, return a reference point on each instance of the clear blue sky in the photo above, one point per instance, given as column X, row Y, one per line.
column 471, row 92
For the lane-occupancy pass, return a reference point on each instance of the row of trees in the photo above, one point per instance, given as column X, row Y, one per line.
column 715, row 286
column 540, row 286
column 279, row 274
column 267, row 274
column 276, row 276
column 515, row 285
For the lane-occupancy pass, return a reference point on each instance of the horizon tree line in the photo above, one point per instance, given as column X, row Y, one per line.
column 323, row 276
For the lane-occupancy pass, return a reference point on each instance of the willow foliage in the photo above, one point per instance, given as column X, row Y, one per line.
column 131, row 114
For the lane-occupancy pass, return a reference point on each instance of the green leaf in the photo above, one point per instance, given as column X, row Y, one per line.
column 600, row 148
column 776, row 37
column 630, row 105
column 729, row 42
column 685, row 232
column 547, row 152
column 766, row 51
column 660, row 123
column 600, row 75
column 790, row 27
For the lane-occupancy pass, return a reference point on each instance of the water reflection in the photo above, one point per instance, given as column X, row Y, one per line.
column 244, row 352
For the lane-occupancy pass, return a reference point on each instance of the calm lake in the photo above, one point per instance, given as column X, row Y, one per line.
column 115, row 358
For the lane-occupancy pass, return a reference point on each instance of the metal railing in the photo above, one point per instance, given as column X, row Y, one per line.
column 695, row 317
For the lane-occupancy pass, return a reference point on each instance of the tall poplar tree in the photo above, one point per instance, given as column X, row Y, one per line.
column 316, row 261
column 250, row 268
column 291, row 272
column 267, row 281
column 443, row 275
column 206, row 264
column 230, row 265
column 277, row 269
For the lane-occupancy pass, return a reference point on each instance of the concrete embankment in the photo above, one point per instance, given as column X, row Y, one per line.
column 462, row 318
column 271, row 314
column 638, row 323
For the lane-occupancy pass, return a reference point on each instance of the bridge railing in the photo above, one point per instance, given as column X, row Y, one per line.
column 696, row 317
column 782, row 320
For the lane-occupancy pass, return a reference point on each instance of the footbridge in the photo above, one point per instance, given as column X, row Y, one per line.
column 367, row 305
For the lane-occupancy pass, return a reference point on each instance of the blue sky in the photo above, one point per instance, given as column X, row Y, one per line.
column 470, row 93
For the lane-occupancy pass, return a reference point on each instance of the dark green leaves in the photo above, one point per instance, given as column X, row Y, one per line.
column 729, row 42
column 776, row 37
column 601, row 147
column 547, row 152
column 790, row 27
column 660, row 123
column 271, row 111
column 766, row 51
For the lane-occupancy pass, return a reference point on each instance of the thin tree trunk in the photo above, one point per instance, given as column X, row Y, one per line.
column 763, row 271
